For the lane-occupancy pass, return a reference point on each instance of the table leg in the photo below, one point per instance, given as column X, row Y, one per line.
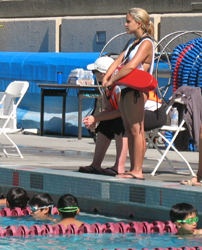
column 63, row 115
column 80, row 118
column 42, row 113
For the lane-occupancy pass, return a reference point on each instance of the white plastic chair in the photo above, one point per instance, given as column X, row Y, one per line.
column 176, row 130
column 16, row 90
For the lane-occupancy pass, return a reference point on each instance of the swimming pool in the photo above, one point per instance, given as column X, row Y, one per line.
column 98, row 241
column 91, row 241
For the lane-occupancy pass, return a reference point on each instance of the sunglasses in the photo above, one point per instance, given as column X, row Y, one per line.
column 35, row 208
column 189, row 221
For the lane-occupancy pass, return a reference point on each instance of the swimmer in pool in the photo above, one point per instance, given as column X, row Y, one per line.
column 16, row 197
column 185, row 217
column 68, row 209
column 41, row 206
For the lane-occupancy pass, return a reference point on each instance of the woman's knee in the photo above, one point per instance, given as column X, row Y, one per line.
column 137, row 129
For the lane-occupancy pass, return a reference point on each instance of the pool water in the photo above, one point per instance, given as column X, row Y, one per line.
column 90, row 241
column 98, row 241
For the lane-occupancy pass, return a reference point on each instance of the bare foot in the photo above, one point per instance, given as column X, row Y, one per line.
column 198, row 179
column 195, row 181
column 129, row 175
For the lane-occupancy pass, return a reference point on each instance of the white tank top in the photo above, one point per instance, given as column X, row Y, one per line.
column 134, row 51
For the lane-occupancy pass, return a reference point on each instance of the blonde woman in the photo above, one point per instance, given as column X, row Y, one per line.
column 139, row 54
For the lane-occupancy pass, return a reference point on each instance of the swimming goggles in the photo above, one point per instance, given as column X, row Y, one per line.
column 68, row 209
column 189, row 221
column 35, row 208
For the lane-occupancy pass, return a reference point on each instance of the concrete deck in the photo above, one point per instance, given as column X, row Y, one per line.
column 50, row 165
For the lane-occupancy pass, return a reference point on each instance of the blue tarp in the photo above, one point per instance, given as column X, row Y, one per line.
column 43, row 68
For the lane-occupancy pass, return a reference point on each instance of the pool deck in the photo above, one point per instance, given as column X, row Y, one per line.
column 51, row 163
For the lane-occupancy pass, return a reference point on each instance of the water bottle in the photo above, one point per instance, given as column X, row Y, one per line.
column 1, row 109
column 174, row 117
column 59, row 77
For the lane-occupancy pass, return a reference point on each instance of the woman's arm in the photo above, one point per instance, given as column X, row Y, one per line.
column 108, row 113
column 112, row 68
column 91, row 120
column 143, row 55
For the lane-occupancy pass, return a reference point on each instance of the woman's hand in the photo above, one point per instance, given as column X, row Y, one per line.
column 107, row 83
column 89, row 122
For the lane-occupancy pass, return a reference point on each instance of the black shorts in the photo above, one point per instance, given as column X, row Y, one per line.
column 154, row 119
column 126, row 90
column 136, row 93
column 111, row 127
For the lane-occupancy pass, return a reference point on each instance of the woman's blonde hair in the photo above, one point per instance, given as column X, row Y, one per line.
column 141, row 15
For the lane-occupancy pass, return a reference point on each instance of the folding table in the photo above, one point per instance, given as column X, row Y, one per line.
column 61, row 90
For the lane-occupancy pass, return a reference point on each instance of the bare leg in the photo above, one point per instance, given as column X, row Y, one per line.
column 200, row 153
column 101, row 147
column 121, row 153
column 196, row 180
column 102, row 144
column 133, row 117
